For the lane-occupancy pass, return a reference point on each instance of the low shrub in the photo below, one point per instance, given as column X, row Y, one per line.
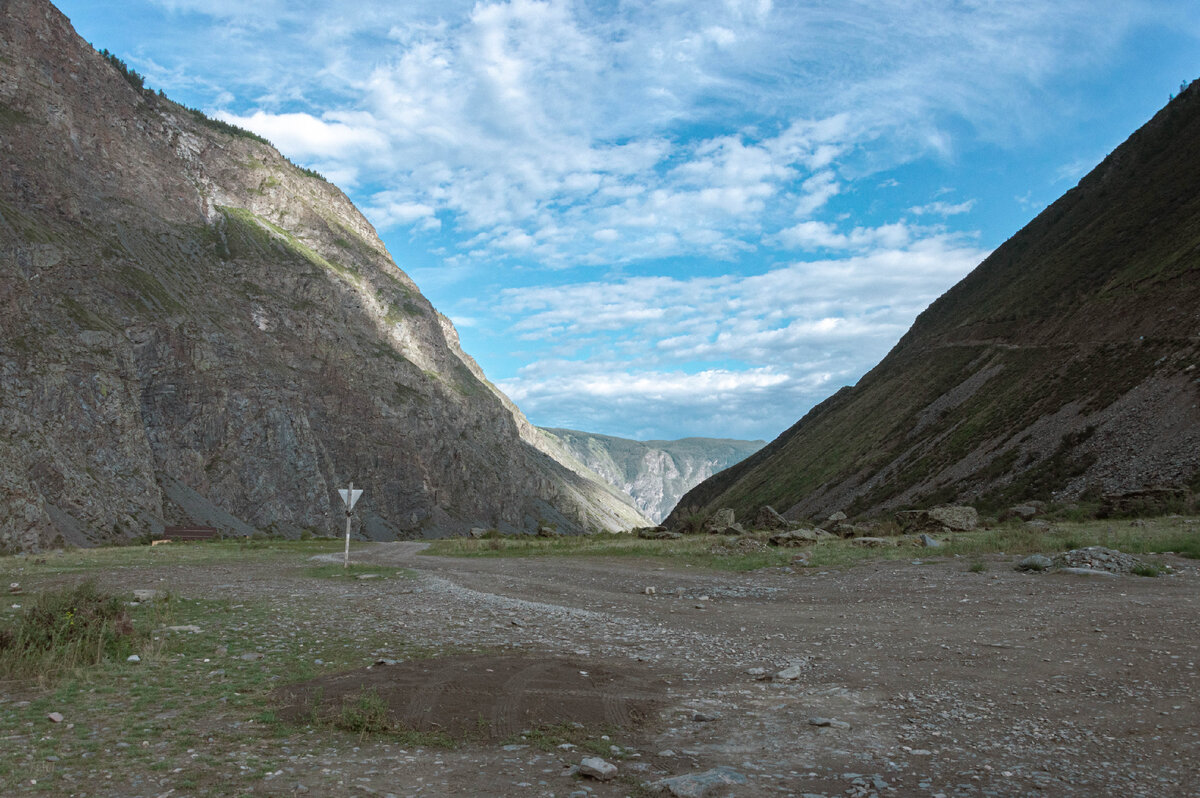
column 63, row 630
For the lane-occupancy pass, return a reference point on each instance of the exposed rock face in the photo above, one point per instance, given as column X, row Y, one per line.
column 192, row 330
column 1067, row 363
column 655, row 473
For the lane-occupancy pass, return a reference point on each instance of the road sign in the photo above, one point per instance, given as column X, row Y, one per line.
column 350, row 496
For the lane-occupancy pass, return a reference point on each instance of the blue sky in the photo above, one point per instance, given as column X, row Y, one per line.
column 674, row 218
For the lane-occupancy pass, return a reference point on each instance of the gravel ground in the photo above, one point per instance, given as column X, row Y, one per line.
column 888, row 679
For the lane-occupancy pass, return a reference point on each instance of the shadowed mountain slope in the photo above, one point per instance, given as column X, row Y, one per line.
column 654, row 473
column 1065, row 364
column 193, row 330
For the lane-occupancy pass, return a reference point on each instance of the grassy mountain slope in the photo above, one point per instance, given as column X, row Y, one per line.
column 1066, row 363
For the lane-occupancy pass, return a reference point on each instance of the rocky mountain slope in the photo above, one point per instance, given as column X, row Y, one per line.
column 655, row 473
column 1065, row 365
column 193, row 330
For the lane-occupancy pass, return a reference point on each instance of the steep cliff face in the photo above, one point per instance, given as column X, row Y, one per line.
column 1064, row 365
column 655, row 473
column 194, row 330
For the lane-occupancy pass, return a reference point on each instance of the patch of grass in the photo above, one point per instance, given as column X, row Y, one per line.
column 12, row 116
column 978, row 567
column 1148, row 569
column 1156, row 536
column 691, row 550
column 192, row 702
column 364, row 714
column 63, row 630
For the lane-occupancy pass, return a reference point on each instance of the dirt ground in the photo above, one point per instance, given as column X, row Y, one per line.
column 906, row 678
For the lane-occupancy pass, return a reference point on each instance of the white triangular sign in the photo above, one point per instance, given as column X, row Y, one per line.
column 349, row 497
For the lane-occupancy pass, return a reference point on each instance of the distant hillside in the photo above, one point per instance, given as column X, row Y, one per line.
column 194, row 330
column 1064, row 365
column 655, row 473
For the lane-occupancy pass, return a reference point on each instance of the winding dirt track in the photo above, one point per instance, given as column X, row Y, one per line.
column 924, row 678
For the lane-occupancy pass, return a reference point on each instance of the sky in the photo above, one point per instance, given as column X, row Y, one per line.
column 675, row 218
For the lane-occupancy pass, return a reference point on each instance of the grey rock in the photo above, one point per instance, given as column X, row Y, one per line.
column 950, row 518
column 55, row 717
column 699, row 785
column 837, row 517
column 656, row 533
column 871, row 543
column 828, row 723
column 794, row 537
column 1025, row 512
column 597, row 768
column 791, row 672
column 134, row 658
column 1087, row 572
column 147, row 595
column 1035, row 562
column 1097, row 558
column 251, row 656
column 722, row 522
column 769, row 518
column 929, row 541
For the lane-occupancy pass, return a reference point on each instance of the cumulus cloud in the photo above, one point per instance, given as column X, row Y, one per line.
column 718, row 144
column 799, row 331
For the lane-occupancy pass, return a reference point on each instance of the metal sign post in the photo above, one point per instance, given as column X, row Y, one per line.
column 350, row 497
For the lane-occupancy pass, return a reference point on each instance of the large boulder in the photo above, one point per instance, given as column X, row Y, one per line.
column 947, row 518
column 795, row 537
column 1026, row 512
column 722, row 523
column 656, row 533
column 769, row 518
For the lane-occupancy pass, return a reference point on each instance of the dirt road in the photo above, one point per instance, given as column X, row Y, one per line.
column 909, row 679
column 892, row 678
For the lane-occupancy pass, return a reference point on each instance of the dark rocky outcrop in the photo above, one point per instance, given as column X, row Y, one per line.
column 193, row 330
column 1066, row 365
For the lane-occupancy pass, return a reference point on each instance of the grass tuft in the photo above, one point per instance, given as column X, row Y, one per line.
column 65, row 630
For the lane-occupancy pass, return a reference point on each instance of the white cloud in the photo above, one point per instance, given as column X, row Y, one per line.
column 801, row 329
column 555, row 134
column 943, row 208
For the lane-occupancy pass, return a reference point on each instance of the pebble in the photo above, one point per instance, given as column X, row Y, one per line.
column 55, row 717
column 133, row 658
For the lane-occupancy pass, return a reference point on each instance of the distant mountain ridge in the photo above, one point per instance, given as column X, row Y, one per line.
column 194, row 330
column 654, row 473
column 1067, row 364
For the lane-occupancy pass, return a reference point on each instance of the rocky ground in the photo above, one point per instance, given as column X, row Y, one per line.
column 888, row 679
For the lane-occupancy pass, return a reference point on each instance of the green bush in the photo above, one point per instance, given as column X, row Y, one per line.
column 67, row 629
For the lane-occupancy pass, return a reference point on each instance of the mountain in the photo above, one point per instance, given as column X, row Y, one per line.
column 1064, row 365
column 655, row 473
column 193, row 330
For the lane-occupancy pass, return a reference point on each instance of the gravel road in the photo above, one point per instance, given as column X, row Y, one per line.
column 908, row 678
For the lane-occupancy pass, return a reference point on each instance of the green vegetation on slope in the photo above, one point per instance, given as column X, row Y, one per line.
column 1090, row 300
